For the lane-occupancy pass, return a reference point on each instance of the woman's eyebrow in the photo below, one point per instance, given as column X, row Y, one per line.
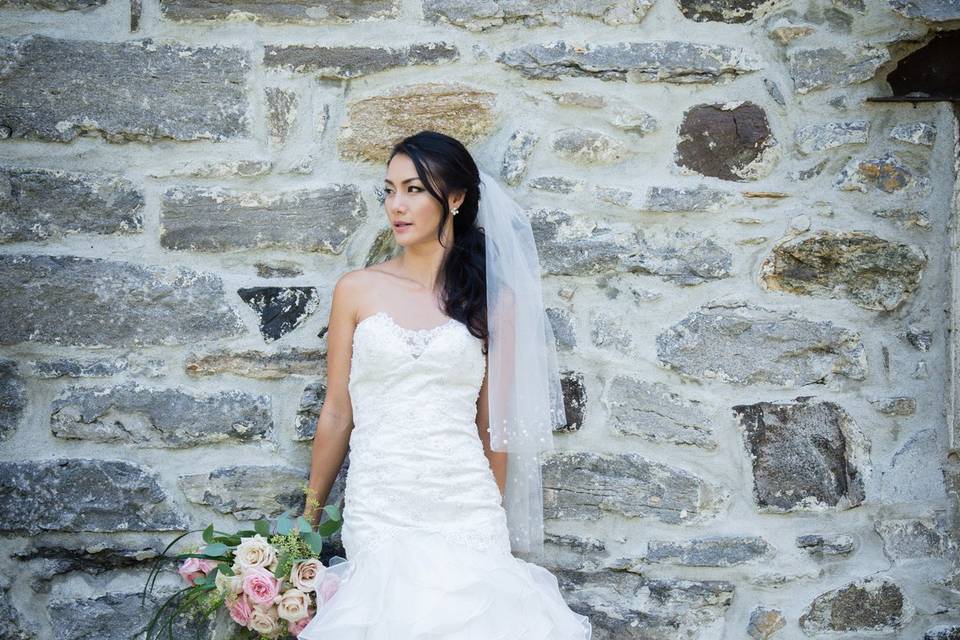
column 402, row 181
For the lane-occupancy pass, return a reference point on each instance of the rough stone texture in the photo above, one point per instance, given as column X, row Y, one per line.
column 92, row 555
column 729, row 11
column 530, row 13
column 872, row 272
column 887, row 173
column 515, row 156
column 218, row 219
column 898, row 406
column 745, row 344
column 871, row 604
column 695, row 199
column 257, row 364
column 282, row 108
column 830, row 135
column 943, row 632
column 805, row 454
column 919, row 133
column 41, row 204
column 582, row 486
column 906, row 539
column 280, row 11
column 730, row 141
column 13, row 398
column 635, row 121
column 69, row 494
column 928, row 10
column 627, row 606
column 311, row 401
column 61, row 300
column 12, row 624
column 54, row 5
column 248, row 492
column 588, row 146
column 352, row 62
column 281, row 309
column 830, row 544
column 574, row 552
column 910, row 478
column 708, row 552
column 662, row 61
column 813, row 69
column 116, row 616
column 556, row 184
column 683, row 257
column 564, row 329
column 190, row 93
column 148, row 417
column 574, row 400
column 374, row 124
column 764, row 623
column 653, row 412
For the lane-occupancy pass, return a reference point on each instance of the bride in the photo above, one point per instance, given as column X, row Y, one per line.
column 442, row 379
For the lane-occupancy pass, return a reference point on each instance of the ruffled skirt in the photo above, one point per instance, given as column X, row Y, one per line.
column 419, row 585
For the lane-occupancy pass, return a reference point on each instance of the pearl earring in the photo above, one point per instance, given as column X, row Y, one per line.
column 455, row 211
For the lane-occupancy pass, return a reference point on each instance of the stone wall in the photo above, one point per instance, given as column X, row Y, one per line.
column 747, row 268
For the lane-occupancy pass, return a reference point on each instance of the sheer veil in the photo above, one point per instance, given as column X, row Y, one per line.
column 523, row 384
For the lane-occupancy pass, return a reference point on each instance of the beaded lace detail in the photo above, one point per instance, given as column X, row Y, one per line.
column 416, row 459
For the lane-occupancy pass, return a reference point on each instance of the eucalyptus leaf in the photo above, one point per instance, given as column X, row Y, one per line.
column 262, row 527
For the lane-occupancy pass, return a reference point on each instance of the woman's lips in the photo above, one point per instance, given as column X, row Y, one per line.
column 401, row 227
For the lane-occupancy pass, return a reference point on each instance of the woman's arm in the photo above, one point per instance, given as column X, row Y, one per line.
column 336, row 415
column 498, row 459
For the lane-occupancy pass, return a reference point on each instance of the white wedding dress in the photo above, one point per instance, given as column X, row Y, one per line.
column 426, row 539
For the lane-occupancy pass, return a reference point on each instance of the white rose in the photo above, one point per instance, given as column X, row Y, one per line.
column 264, row 621
column 293, row 605
column 307, row 575
column 228, row 585
column 255, row 552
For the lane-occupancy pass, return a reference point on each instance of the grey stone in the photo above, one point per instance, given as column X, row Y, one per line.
column 564, row 330
column 661, row 61
column 613, row 195
column 831, row 67
column 897, row 406
column 311, row 402
column 90, row 555
column 886, row 173
column 920, row 339
column 80, row 367
column 805, row 454
column 693, row 199
column 278, row 269
column 745, row 344
column 729, row 11
column 871, row 604
column 519, row 147
column 764, row 623
column 71, row 494
column 872, row 272
column 13, row 398
column 478, row 16
column 653, row 412
column 708, row 552
column 934, row 11
column 12, row 624
column 680, row 256
column 943, row 632
column 276, row 365
column 248, row 492
column 281, row 309
column 282, row 108
column 147, row 305
column 626, row 606
column 730, row 141
column 54, row 5
column 118, row 616
column 582, row 486
column 56, row 89
column 578, row 99
column 913, row 476
column 588, row 146
column 250, row 168
column 344, row 63
column 320, row 219
column 920, row 133
column 556, row 184
column 634, row 121
column 573, row 552
column 607, row 331
column 174, row 418
column 574, row 401
column 568, row 248
column 910, row 219
column 280, row 11
column 827, row 544
column 42, row 204
column 830, row 135
column 912, row 538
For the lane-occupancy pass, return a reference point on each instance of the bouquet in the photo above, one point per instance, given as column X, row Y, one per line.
column 270, row 579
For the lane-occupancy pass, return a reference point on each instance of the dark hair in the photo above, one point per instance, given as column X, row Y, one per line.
column 445, row 166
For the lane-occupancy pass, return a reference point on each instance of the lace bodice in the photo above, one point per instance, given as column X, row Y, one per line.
column 416, row 459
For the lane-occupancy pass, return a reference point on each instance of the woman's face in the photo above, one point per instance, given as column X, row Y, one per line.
column 412, row 212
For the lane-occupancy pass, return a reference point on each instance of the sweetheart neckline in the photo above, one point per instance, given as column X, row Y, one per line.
column 392, row 321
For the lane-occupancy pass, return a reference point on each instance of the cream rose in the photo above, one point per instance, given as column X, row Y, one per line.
column 255, row 552
column 228, row 585
column 306, row 575
column 293, row 605
column 265, row 621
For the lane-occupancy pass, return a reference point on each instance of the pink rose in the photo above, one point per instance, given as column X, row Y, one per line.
column 260, row 585
column 241, row 610
column 193, row 568
column 328, row 587
column 293, row 628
